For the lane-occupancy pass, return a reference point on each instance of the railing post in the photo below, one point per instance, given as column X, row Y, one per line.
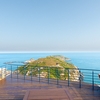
column 17, row 71
column 39, row 73
column 57, row 76
column 80, row 79
column 68, row 77
column 92, row 80
column 24, row 72
column 11, row 71
column 1, row 72
column 31, row 73
column 48, row 75
column 5, row 71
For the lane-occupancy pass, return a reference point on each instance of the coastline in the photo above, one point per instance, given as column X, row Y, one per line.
column 82, row 60
column 4, row 73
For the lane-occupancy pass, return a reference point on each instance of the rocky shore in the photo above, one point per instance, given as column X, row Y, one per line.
column 4, row 73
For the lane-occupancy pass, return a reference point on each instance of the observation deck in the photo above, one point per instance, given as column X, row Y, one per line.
column 16, row 86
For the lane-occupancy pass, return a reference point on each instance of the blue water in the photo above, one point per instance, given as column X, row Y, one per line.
column 81, row 60
column 85, row 60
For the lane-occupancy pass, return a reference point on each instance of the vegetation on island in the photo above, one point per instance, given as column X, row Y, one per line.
column 60, row 57
column 49, row 67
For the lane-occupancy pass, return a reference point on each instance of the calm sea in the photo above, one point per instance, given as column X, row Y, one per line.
column 85, row 60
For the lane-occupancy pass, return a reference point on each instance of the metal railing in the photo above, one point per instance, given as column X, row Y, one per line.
column 77, row 77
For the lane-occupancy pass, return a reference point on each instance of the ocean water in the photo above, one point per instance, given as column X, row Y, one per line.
column 83, row 60
column 86, row 60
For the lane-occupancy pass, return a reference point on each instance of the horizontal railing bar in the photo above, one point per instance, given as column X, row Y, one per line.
column 51, row 67
column 16, row 64
column 83, row 76
column 83, row 69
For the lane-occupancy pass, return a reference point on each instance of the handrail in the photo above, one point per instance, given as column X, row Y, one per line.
column 69, row 76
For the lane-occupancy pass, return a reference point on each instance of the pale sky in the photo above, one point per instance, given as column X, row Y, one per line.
column 49, row 25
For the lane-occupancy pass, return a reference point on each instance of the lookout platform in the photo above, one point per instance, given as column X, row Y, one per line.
column 18, row 89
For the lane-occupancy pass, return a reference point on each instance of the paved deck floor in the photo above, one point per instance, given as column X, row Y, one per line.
column 17, row 89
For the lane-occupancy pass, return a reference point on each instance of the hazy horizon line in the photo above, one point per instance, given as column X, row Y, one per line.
column 46, row 51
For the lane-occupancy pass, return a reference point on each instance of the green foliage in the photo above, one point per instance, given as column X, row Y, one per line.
column 47, row 67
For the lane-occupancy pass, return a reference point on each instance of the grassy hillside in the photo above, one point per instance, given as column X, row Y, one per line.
column 50, row 66
column 50, row 62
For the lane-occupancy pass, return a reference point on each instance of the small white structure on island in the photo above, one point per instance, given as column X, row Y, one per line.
column 29, row 61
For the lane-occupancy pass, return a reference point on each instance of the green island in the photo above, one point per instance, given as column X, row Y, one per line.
column 50, row 67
